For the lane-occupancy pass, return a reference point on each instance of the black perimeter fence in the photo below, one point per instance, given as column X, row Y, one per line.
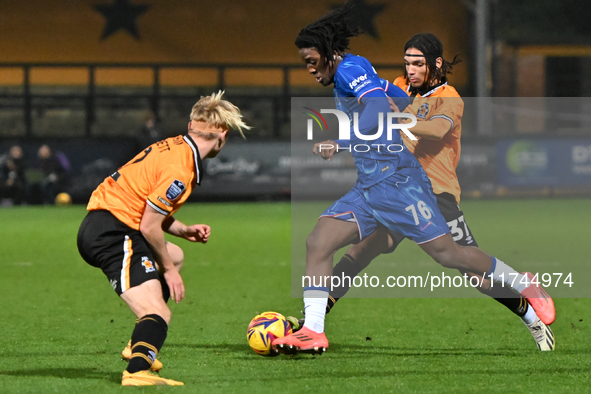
column 96, row 125
column 30, row 109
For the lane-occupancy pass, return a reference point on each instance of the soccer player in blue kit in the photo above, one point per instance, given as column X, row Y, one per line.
column 392, row 188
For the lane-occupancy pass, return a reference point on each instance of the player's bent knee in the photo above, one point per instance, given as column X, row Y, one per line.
column 313, row 243
column 146, row 299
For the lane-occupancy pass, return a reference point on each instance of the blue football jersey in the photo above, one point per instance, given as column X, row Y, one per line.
column 398, row 95
column 355, row 80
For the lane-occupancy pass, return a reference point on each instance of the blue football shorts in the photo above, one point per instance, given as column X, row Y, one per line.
column 404, row 203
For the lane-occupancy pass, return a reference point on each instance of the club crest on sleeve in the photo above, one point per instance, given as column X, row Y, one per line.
column 175, row 190
column 423, row 111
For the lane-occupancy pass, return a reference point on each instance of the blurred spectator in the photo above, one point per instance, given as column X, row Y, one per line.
column 91, row 176
column 13, row 182
column 149, row 133
column 55, row 168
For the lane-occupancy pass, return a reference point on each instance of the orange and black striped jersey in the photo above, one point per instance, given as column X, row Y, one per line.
column 439, row 158
column 162, row 176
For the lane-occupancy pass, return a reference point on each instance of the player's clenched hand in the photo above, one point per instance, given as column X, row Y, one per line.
column 175, row 285
column 326, row 149
column 197, row 233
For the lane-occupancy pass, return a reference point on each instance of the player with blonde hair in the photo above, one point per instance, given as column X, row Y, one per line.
column 123, row 233
column 217, row 112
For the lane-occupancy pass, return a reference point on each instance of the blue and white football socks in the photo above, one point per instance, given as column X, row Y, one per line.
column 315, row 299
column 502, row 273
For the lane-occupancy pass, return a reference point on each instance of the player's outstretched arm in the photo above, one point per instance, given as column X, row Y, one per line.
column 151, row 228
column 192, row 233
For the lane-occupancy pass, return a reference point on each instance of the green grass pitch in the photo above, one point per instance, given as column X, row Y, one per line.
column 62, row 327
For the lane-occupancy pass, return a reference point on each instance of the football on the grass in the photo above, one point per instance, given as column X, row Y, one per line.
column 263, row 329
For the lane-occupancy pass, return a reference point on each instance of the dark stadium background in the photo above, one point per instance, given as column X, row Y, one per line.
column 83, row 78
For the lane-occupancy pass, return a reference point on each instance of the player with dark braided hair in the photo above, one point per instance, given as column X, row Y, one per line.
column 329, row 36
column 391, row 186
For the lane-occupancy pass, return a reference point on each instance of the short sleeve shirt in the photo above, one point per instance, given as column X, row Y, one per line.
column 162, row 176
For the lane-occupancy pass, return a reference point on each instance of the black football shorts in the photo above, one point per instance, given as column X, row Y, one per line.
column 455, row 220
column 121, row 252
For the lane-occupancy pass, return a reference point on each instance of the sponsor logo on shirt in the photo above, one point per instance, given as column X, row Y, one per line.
column 356, row 81
column 175, row 190
column 163, row 201
column 364, row 84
